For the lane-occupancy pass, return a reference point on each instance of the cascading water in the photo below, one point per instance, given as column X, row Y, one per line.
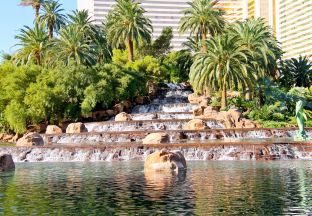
column 168, row 112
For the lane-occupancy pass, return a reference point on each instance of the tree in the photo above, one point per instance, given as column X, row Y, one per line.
column 127, row 24
column 295, row 72
column 80, row 19
column 257, row 36
column 160, row 46
column 52, row 16
column 72, row 45
column 223, row 65
column 102, row 47
column 202, row 18
column 33, row 42
column 36, row 4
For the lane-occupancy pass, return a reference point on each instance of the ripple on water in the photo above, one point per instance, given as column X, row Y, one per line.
column 122, row 188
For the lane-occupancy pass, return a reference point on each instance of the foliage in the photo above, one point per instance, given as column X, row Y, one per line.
column 202, row 18
column 52, row 16
column 126, row 23
column 295, row 72
column 224, row 64
column 160, row 46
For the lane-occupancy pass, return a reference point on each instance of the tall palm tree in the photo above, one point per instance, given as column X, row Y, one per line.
column 127, row 24
column 223, row 65
column 80, row 18
column 257, row 36
column 102, row 47
column 52, row 15
column 203, row 18
column 72, row 45
column 36, row 4
column 33, row 42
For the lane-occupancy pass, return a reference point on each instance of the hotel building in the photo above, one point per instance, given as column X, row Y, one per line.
column 291, row 20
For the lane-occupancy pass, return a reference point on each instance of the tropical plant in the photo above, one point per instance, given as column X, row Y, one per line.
column 72, row 45
column 257, row 36
column 223, row 65
column 36, row 4
column 295, row 72
column 52, row 16
column 33, row 42
column 81, row 19
column 103, row 49
column 202, row 18
column 192, row 44
column 126, row 24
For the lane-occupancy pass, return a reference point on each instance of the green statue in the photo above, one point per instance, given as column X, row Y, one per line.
column 300, row 117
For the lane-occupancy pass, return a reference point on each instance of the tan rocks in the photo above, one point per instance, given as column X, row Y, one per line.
column 201, row 100
column 140, row 100
column 156, row 138
column 6, row 162
column 76, row 128
column 210, row 112
column 53, row 129
column 198, row 111
column 123, row 117
column 195, row 124
column 30, row 139
column 165, row 160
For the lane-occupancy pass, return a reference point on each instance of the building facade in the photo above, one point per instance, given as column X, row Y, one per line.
column 290, row 20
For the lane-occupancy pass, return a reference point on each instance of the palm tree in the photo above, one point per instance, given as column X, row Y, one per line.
column 223, row 65
column 296, row 72
column 36, row 4
column 33, row 42
column 72, row 45
column 80, row 18
column 257, row 36
column 203, row 18
column 102, row 47
column 127, row 24
column 52, row 16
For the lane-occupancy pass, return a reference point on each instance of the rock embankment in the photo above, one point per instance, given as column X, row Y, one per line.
column 6, row 162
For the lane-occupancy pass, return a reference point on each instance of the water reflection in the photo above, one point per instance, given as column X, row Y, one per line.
column 207, row 188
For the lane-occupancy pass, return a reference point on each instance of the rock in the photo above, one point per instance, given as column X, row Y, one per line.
column 111, row 112
column 118, row 108
column 6, row 162
column 14, row 139
column 210, row 112
column 7, row 137
column 204, row 102
column 30, row 139
column 198, row 111
column 126, row 105
column 194, row 98
column 195, row 124
column 165, row 160
column 123, row 117
column 1, row 136
column 156, row 138
column 53, row 129
column 76, row 128
column 232, row 94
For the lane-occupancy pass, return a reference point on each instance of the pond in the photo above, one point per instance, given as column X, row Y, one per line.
column 122, row 188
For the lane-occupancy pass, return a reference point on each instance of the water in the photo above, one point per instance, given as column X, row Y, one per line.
column 207, row 188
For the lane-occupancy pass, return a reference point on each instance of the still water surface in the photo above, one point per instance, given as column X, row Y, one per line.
column 122, row 188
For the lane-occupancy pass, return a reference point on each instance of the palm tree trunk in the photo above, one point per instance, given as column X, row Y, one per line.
column 130, row 49
column 50, row 32
column 38, row 59
column 37, row 8
column 223, row 97
column 204, row 38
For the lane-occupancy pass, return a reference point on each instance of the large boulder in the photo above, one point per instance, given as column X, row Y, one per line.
column 30, row 139
column 156, row 138
column 53, row 129
column 76, row 128
column 123, row 117
column 195, row 124
column 6, row 162
column 165, row 160
column 198, row 111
